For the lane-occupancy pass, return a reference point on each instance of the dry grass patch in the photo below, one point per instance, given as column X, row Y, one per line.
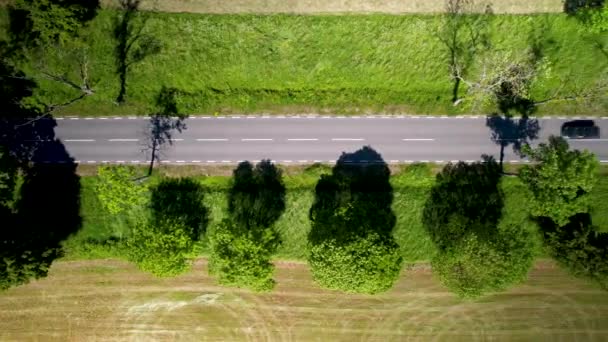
column 77, row 303
column 339, row 6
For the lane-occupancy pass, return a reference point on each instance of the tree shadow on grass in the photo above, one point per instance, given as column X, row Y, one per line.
column 46, row 209
column 574, row 6
column 181, row 200
column 516, row 132
column 355, row 200
column 40, row 190
column 132, row 44
column 257, row 197
column 465, row 199
column 578, row 247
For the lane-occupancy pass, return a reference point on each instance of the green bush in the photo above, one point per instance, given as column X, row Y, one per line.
column 473, row 267
column 578, row 247
column 241, row 257
column 161, row 250
column 369, row 264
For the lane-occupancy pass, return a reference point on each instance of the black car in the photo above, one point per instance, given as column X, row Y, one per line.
column 580, row 129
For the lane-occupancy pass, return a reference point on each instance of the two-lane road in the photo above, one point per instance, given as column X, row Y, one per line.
column 302, row 139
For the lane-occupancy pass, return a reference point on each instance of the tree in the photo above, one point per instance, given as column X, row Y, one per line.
column 504, row 80
column 163, row 249
column 598, row 20
column 242, row 257
column 560, row 181
column 466, row 198
column 476, row 253
column 463, row 34
column 578, row 247
column 243, row 244
column 40, row 22
column 50, row 43
column 351, row 247
column 472, row 267
column 118, row 191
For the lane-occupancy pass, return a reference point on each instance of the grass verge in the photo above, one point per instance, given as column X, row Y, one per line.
column 323, row 63
column 411, row 186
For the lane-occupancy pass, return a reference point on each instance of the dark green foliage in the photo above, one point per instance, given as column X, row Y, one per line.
column 351, row 212
column 180, row 200
column 163, row 249
column 257, row 197
column 466, row 198
column 578, row 247
column 575, row 6
column 39, row 22
column 243, row 244
column 476, row 254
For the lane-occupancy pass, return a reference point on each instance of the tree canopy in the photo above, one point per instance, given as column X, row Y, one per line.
column 561, row 180
column 476, row 254
column 351, row 247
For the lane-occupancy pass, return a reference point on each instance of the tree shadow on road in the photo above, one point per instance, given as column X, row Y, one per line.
column 162, row 124
column 516, row 132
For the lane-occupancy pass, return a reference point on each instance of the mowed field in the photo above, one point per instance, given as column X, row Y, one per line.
column 111, row 300
column 339, row 6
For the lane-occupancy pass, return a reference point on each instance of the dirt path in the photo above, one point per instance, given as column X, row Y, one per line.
column 111, row 300
column 341, row 6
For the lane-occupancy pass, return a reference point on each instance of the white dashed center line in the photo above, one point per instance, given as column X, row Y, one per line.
column 347, row 139
column 211, row 139
column 256, row 139
column 79, row 140
column 419, row 139
column 303, row 139
column 122, row 140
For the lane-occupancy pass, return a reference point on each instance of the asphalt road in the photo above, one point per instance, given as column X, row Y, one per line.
column 306, row 139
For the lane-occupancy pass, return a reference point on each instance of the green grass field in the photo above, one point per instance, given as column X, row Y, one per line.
column 113, row 300
column 323, row 63
column 410, row 190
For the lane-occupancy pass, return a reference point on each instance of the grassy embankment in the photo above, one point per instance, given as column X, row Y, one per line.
column 323, row 63
column 410, row 190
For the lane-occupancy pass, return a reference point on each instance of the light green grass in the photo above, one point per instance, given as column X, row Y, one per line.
column 323, row 63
